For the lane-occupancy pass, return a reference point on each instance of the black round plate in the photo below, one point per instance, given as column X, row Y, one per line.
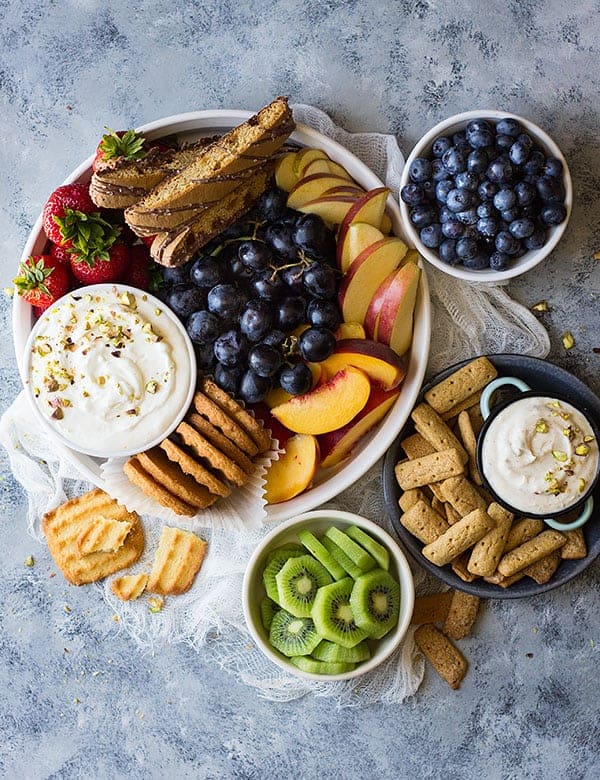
column 542, row 376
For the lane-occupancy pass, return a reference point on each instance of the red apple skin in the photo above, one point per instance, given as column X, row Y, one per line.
column 372, row 316
column 278, row 431
column 337, row 445
column 398, row 308
column 378, row 361
column 351, row 215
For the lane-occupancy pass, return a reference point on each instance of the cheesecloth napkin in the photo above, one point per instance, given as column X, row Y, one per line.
column 468, row 319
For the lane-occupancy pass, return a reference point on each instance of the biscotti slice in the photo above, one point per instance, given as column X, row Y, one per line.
column 217, row 170
column 177, row 561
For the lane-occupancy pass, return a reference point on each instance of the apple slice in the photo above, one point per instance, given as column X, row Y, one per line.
column 370, row 208
column 337, row 445
column 379, row 362
column 350, row 330
column 328, row 406
column 386, row 224
column 305, row 156
column 365, row 275
column 375, row 304
column 359, row 236
column 294, row 471
column 312, row 187
column 396, row 315
column 339, row 169
column 345, row 189
column 331, row 209
column 285, row 178
column 316, row 166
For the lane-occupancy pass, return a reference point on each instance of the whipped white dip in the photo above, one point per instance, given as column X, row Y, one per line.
column 540, row 455
column 110, row 370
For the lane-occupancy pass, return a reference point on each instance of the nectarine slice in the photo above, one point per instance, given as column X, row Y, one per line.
column 328, row 406
column 379, row 362
column 294, row 471
column 370, row 208
column 350, row 330
column 396, row 316
column 358, row 237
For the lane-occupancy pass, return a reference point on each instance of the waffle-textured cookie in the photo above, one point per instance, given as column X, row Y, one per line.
column 138, row 476
column 220, row 441
column 171, row 477
column 129, row 586
column 202, row 448
column 177, row 561
column 194, row 468
column 223, row 420
column 253, row 427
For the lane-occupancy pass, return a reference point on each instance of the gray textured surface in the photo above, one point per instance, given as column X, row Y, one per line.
column 78, row 700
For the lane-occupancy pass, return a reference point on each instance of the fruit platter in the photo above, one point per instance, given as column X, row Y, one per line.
column 360, row 375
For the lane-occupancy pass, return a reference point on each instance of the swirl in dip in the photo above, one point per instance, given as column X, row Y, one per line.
column 540, row 455
column 110, row 370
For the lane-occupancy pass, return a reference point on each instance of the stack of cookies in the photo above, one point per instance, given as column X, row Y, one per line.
column 210, row 453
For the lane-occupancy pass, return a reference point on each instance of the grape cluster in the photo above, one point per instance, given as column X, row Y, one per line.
column 252, row 287
column 486, row 196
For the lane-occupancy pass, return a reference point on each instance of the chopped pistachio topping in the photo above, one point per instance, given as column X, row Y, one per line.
column 57, row 414
column 29, row 560
column 560, row 456
column 568, row 340
column 541, row 306
column 152, row 387
column 580, row 485
column 158, row 312
column 541, row 426
column 155, row 604
column 587, row 439
column 582, row 449
column 127, row 299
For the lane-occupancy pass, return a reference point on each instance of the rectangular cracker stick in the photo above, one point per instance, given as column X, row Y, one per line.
column 575, row 548
column 462, row 495
column 461, row 615
column 424, row 522
column 438, row 506
column 446, row 659
column 459, row 537
column 522, row 532
column 452, row 515
column 486, row 554
column 470, row 443
column 459, row 567
column 410, row 497
column 530, row 552
column 469, row 403
column 416, row 446
column 461, row 384
column 430, row 468
column 504, row 582
column 476, row 417
column 432, row 428
column 431, row 609
column 543, row 570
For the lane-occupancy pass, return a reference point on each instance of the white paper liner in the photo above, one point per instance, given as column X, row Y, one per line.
column 243, row 509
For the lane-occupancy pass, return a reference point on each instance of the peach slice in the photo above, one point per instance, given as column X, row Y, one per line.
column 285, row 178
column 294, row 471
column 359, row 236
column 379, row 362
column 311, row 187
column 350, row 330
column 337, row 445
column 328, row 406
column 278, row 431
column 370, row 208
column 397, row 310
column 365, row 275
column 331, row 209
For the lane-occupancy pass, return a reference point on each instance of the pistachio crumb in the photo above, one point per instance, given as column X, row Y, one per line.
column 582, row 449
column 541, row 426
column 568, row 340
column 155, row 604
column 541, row 306
column 152, row 387
column 560, row 456
column 29, row 560
column 580, row 485
column 127, row 299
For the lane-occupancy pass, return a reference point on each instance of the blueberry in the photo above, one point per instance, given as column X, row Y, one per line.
column 486, row 210
column 478, row 262
column 475, row 125
column 177, row 275
column 467, row 217
column 420, row 169
column 431, row 235
column 467, row 180
column 429, row 190
column 295, row 379
column 253, row 388
column 447, row 252
column 460, row 199
column 228, row 378
column 185, row 299
column 440, row 145
column 466, row 248
column 536, row 240
column 421, row 216
column 477, row 161
column 205, row 358
column 460, row 139
column 526, row 193
column 488, row 227
column 487, row 189
column 479, row 139
column 521, row 228
column 532, row 210
column 509, row 215
column 534, row 163
column 500, row 171
column 453, row 229
column 519, row 151
column 550, row 189
column 442, row 188
column 499, row 261
column 454, row 160
column 445, row 215
column 506, row 242
column 508, row 126
column 438, row 172
column 413, row 194
column 231, row 348
column 552, row 167
column 553, row 214
column 505, row 199
column 504, row 142
column 203, row 327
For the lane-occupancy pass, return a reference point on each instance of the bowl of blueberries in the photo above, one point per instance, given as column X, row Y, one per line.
column 485, row 195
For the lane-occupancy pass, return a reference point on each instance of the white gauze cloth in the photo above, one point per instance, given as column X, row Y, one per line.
column 468, row 319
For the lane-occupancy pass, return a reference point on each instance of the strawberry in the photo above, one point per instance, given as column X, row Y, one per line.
column 122, row 143
column 42, row 281
column 109, row 264
column 60, row 254
column 141, row 269
column 148, row 240
column 64, row 201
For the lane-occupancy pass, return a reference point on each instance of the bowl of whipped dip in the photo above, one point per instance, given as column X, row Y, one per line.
column 538, row 454
column 109, row 370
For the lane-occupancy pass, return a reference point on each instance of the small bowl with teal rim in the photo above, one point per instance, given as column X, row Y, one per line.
column 537, row 454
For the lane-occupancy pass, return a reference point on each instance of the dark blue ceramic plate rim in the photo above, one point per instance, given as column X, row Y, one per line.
column 543, row 377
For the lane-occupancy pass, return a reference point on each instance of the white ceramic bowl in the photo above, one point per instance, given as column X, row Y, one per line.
column 455, row 124
column 327, row 484
column 316, row 522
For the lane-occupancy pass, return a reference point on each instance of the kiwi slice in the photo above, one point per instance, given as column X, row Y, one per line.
column 329, row 651
column 378, row 551
column 298, row 581
column 321, row 667
column 375, row 602
column 315, row 548
column 354, row 551
column 268, row 609
column 341, row 557
column 276, row 559
column 333, row 615
column 292, row 635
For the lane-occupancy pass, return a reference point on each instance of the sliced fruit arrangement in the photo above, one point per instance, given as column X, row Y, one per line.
column 328, row 599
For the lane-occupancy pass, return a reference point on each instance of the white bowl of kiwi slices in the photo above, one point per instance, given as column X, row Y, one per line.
column 328, row 595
